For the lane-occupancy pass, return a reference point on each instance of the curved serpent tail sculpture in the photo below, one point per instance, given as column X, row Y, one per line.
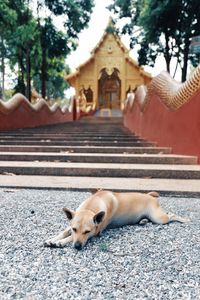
column 172, row 93
column 18, row 99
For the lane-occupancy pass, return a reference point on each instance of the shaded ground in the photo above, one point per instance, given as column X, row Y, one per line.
column 133, row 262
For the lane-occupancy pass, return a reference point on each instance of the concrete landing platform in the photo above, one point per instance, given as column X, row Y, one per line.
column 166, row 186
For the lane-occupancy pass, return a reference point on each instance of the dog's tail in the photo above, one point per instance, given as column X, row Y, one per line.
column 153, row 194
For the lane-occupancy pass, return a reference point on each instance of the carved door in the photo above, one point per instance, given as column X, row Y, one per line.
column 109, row 90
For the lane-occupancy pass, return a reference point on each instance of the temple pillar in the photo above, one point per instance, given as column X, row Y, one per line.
column 123, row 94
column 123, row 84
column 95, row 85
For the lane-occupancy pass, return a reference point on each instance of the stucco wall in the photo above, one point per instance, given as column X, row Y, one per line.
column 19, row 113
column 177, row 129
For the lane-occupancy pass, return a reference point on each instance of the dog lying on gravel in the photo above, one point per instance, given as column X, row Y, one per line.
column 106, row 209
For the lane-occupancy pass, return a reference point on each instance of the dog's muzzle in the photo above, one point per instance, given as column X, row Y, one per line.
column 78, row 245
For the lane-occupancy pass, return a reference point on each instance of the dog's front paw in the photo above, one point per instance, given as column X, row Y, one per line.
column 58, row 244
column 53, row 244
column 48, row 243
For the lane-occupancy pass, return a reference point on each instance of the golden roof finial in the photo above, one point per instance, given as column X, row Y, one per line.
column 111, row 26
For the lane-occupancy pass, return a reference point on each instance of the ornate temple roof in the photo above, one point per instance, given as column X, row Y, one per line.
column 110, row 29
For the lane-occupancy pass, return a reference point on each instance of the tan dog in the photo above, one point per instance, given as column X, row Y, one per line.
column 106, row 209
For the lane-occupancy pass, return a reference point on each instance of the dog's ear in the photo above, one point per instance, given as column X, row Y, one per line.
column 69, row 213
column 99, row 217
column 93, row 191
column 153, row 194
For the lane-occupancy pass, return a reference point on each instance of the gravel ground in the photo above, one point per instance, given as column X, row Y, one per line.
column 133, row 262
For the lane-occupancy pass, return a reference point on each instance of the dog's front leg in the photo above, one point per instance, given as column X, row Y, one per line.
column 62, row 243
column 61, row 236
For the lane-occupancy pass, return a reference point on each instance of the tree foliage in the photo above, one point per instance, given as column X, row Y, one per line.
column 161, row 27
column 34, row 47
column 7, row 21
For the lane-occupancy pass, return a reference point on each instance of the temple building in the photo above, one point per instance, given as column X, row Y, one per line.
column 109, row 74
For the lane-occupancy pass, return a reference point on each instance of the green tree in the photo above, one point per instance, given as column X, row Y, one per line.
column 75, row 12
column 161, row 27
column 20, row 39
column 7, row 20
column 57, row 44
column 34, row 44
column 53, row 48
column 55, row 82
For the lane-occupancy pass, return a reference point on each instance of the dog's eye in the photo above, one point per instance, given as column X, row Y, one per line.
column 86, row 232
column 74, row 229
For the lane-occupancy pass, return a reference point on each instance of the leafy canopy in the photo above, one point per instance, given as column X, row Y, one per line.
column 160, row 27
column 34, row 47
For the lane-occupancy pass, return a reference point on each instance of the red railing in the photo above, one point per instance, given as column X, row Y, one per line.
column 167, row 112
column 18, row 112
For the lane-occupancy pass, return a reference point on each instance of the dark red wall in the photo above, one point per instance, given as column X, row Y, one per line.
column 24, row 117
column 177, row 129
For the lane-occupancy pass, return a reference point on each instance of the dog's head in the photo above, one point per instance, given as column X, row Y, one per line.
column 84, row 225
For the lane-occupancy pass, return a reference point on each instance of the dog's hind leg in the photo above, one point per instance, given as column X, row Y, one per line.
column 62, row 235
column 158, row 216
column 175, row 218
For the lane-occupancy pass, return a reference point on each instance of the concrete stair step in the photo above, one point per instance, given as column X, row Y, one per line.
column 102, row 119
column 165, row 186
column 85, row 149
column 99, row 158
column 78, row 142
column 55, row 138
column 101, row 169
column 82, row 128
column 66, row 135
column 72, row 131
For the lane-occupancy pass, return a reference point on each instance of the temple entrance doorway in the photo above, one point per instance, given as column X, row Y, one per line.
column 109, row 90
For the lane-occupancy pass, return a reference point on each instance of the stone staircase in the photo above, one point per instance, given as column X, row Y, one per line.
column 92, row 153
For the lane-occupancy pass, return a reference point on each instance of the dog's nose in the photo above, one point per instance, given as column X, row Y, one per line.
column 78, row 246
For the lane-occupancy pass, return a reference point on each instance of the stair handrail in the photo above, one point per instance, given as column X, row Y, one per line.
column 18, row 99
column 172, row 93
